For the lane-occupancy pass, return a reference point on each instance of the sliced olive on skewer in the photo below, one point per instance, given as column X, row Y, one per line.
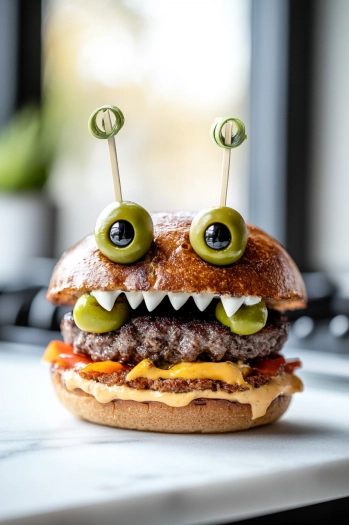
column 124, row 230
column 219, row 235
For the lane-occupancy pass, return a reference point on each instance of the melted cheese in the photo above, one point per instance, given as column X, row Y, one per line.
column 228, row 372
column 259, row 398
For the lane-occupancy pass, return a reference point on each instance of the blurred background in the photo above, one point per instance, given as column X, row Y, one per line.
column 173, row 67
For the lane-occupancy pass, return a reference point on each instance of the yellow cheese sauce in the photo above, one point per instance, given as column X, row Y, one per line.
column 227, row 372
column 259, row 398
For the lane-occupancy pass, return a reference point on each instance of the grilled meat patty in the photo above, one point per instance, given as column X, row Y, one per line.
column 168, row 340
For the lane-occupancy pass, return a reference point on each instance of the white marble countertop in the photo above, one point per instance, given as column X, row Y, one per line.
column 57, row 469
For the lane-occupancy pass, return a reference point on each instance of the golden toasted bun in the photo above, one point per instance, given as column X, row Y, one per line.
column 265, row 270
column 213, row 416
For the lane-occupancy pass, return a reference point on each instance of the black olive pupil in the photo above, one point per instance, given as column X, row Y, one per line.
column 121, row 233
column 217, row 236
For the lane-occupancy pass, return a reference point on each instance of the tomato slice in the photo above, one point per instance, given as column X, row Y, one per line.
column 104, row 367
column 53, row 350
column 291, row 365
column 272, row 366
column 269, row 366
column 71, row 360
column 63, row 354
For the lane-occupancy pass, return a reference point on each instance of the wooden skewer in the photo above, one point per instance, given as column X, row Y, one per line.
column 226, row 163
column 113, row 157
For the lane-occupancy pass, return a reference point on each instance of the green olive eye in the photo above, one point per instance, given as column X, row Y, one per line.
column 124, row 232
column 218, row 235
column 246, row 321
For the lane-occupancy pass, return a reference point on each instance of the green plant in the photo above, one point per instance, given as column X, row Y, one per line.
column 26, row 152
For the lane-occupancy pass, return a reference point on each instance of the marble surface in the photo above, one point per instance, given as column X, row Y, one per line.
column 55, row 468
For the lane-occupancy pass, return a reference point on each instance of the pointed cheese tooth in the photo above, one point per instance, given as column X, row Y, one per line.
column 106, row 299
column 134, row 298
column 177, row 299
column 250, row 300
column 152, row 299
column 202, row 300
column 231, row 304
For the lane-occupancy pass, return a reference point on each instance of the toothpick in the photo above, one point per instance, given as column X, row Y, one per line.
column 226, row 163
column 113, row 156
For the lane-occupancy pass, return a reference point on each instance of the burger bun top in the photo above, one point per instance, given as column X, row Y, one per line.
column 265, row 270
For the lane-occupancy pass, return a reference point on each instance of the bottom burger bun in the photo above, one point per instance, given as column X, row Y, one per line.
column 201, row 416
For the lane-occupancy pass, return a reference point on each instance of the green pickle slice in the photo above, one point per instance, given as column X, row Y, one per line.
column 246, row 321
column 90, row 316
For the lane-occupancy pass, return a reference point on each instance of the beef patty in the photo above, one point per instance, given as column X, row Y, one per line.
column 170, row 340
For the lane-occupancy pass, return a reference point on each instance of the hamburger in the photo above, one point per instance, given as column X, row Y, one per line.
column 196, row 346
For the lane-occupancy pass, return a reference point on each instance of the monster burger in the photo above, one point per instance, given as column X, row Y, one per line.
column 185, row 337
column 177, row 320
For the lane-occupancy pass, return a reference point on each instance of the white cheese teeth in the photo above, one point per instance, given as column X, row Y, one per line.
column 134, row 298
column 106, row 299
column 231, row 304
column 153, row 299
column 202, row 300
column 178, row 299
